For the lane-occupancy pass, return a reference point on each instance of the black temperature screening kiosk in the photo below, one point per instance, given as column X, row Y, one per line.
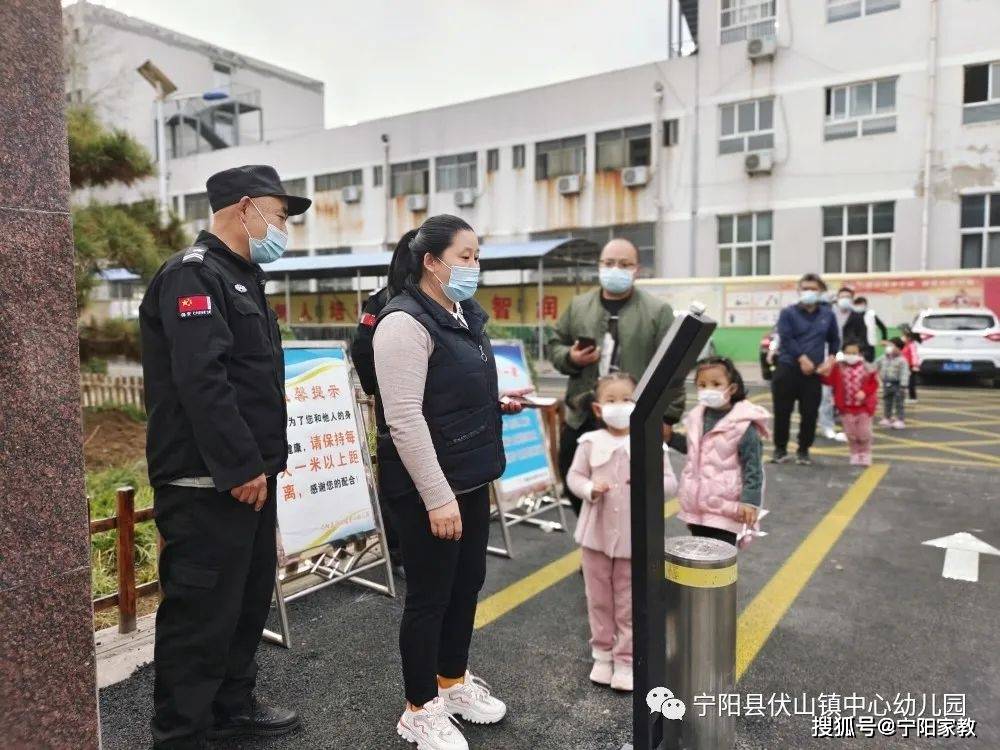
column 674, row 359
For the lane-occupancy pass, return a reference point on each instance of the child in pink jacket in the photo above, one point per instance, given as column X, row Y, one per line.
column 722, row 483
column 600, row 476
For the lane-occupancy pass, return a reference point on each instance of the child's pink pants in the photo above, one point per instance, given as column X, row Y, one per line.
column 609, row 603
column 858, row 428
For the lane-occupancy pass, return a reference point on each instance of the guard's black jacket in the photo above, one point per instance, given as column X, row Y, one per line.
column 214, row 380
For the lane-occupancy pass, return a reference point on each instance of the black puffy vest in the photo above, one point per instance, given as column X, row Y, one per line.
column 461, row 399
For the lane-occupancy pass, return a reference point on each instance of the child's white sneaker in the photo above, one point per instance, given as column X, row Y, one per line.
column 603, row 667
column 472, row 701
column 622, row 679
column 885, row 422
column 899, row 424
column 432, row 728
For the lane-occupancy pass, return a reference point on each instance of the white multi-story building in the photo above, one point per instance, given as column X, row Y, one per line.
column 223, row 99
column 830, row 135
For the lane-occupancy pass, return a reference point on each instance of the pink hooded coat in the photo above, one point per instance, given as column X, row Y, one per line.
column 711, row 481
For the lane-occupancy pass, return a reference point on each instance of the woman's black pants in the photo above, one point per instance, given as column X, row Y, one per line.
column 443, row 579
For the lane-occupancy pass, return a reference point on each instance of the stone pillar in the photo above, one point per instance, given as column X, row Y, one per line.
column 48, row 695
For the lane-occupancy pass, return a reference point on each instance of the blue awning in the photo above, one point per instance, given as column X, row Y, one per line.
column 554, row 253
column 118, row 274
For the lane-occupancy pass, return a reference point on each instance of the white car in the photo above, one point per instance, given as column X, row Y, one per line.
column 959, row 340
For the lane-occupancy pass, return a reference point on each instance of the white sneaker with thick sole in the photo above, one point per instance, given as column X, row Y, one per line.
column 472, row 701
column 622, row 679
column 840, row 437
column 603, row 667
column 433, row 728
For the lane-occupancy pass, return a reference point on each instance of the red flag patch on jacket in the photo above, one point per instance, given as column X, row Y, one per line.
column 194, row 306
column 367, row 319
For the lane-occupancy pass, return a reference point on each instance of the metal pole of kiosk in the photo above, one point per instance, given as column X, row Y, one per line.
column 673, row 360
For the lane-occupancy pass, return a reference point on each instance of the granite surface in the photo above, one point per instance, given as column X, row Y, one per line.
column 47, row 675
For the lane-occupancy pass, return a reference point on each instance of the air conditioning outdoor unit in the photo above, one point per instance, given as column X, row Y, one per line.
column 759, row 162
column 762, row 48
column 635, row 176
column 569, row 184
column 350, row 193
column 417, row 202
column 465, row 197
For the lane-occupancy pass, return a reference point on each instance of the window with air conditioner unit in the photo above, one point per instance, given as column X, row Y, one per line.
column 562, row 156
column 745, row 244
column 741, row 20
column 337, row 180
column 858, row 109
column 624, row 147
column 455, row 172
column 842, row 10
column 746, row 126
column 858, row 238
column 409, row 178
column 981, row 231
column 981, row 98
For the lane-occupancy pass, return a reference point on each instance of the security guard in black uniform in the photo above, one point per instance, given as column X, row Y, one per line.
column 214, row 386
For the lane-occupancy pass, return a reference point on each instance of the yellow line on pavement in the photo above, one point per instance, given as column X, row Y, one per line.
column 920, row 408
column 941, row 448
column 953, row 443
column 761, row 616
column 878, row 456
column 513, row 596
column 955, row 426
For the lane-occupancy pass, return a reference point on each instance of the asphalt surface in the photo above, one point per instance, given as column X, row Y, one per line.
column 874, row 619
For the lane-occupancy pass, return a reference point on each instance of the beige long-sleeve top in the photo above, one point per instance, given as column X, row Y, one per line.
column 402, row 349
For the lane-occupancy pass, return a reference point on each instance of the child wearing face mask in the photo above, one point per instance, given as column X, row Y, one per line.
column 894, row 372
column 600, row 475
column 722, row 483
column 855, row 392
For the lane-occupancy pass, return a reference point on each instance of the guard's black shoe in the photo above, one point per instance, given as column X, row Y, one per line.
column 260, row 721
column 802, row 458
column 779, row 456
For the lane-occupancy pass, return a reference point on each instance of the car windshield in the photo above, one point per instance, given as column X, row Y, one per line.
column 958, row 322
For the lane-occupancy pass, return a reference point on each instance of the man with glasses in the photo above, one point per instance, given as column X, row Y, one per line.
column 613, row 327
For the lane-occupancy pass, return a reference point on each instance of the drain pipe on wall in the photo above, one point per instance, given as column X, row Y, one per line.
column 659, row 181
column 693, row 240
column 925, row 221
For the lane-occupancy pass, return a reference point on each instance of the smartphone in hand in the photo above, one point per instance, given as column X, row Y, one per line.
column 586, row 342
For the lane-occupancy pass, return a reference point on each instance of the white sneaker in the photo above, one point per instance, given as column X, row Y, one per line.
column 622, row 679
column 472, row 701
column 432, row 728
column 603, row 667
column 829, row 433
column 840, row 437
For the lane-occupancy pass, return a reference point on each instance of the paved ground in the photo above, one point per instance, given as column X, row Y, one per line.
column 841, row 597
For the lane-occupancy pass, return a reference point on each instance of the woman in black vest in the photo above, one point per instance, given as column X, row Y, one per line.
column 439, row 447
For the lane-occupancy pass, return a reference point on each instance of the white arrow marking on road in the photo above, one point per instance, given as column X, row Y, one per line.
column 961, row 555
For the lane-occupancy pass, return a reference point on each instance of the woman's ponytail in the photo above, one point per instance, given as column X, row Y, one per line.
column 401, row 267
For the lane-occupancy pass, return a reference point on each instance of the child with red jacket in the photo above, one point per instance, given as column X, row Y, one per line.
column 855, row 393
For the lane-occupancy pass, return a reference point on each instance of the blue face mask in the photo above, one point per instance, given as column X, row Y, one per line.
column 809, row 297
column 462, row 283
column 270, row 248
column 616, row 280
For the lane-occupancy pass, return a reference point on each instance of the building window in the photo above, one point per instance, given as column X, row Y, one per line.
column 377, row 176
column 866, row 108
column 196, row 206
column 841, row 10
column 981, row 231
column 982, row 93
column 295, row 187
column 222, row 76
column 747, row 19
column 455, row 172
column 560, row 157
column 409, row 178
column 746, row 126
column 337, row 180
column 625, row 147
column 493, row 160
column 858, row 238
column 745, row 244
column 517, row 156
column 670, row 132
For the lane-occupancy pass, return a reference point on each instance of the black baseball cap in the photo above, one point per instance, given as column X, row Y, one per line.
column 253, row 180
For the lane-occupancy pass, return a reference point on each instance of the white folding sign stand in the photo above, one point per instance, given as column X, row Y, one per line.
column 347, row 559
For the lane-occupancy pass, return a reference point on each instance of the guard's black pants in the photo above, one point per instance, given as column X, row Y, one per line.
column 443, row 579
column 789, row 385
column 217, row 572
column 567, row 450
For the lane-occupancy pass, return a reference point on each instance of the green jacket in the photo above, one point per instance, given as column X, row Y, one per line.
column 642, row 323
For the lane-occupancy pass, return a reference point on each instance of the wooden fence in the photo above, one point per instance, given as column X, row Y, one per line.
column 124, row 520
column 97, row 390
